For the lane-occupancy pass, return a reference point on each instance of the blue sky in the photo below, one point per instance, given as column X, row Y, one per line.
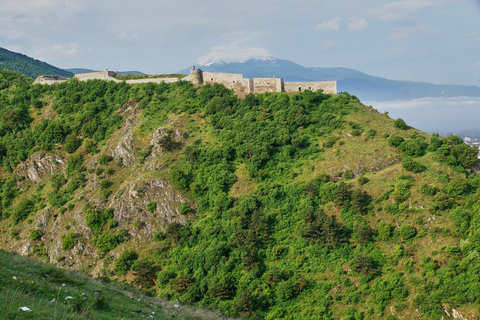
column 435, row 41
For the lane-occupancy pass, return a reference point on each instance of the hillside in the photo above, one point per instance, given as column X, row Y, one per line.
column 27, row 66
column 277, row 206
column 52, row 293
column 364, row 86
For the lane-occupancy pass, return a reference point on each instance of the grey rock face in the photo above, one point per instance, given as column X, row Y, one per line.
column 39, row 165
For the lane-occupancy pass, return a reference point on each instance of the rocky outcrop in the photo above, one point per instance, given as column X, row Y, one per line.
column 39, row 165
column 130, row 205
column 124, row 151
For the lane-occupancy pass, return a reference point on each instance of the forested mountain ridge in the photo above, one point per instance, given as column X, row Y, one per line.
column 25, row 65
column 300, row 206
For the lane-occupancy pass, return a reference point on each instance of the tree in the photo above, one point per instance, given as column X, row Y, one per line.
column 362, row 263
column 400, row 123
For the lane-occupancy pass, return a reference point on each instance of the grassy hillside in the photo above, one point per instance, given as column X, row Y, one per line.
column 300, row 206
column 52, row 293
column 32, row 68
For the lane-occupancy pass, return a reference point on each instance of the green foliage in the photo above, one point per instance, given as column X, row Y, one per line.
column 125, row 262
column 411, row 165
column 185, row 209
column 395, row 141
column 407, row 231
column 402, row 191
column 362, row 263
column 385, row 290
column 399, row 123
column 455, row 153
column 97, row 219
column 427, row 189
column 69, row 241
column 72, row 143
column 36, row 234
column 74, row 164
column 106, row 241
column 27, row 66
column 145, row 273
column 151, row 206
column 90, row 146
column 22, row 210
column 384, row 230
column 363, row 180
column 105, row 159
column 413, row 147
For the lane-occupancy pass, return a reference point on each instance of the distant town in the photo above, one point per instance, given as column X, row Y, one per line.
column 472, row 142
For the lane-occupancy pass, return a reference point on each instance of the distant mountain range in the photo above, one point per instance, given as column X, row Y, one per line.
column 364, row 86
column 30, row 67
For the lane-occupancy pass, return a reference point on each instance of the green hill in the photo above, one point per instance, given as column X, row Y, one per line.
column 32, row 68
column 277, row 206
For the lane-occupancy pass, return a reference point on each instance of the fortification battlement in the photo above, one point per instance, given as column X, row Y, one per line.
column 234, row 81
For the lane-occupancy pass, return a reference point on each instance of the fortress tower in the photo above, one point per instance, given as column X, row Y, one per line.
column 196, row 76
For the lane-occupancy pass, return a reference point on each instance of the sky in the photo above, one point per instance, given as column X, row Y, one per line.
column 435, row 41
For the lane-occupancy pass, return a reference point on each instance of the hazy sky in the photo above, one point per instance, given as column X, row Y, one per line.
column 423, row 40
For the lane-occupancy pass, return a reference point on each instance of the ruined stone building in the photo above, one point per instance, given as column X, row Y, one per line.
column 234, row 81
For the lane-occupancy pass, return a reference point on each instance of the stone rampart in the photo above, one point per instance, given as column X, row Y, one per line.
column 101, row 75
column 49, row 80
column 262, row 85
column 326, row 86
column 154, row 80
column 233, row 81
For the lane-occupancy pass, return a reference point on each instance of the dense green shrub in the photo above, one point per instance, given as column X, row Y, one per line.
column 97, row 219
column 407, row 231
column 363, row 180
column 395, row 141
column 36, row 234
column 427, row 189
column 125, row 262
column 105, row 159
column 399, row 123
column 185, row 209
column 411, row 165
column 72, row 143
column 151, row 206
column 384, row 230
column 22, row 210
column 74, row 164
column 69, row 241
column 107, row 241
column 362, row 263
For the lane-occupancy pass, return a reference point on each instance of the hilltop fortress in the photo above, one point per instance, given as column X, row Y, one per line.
column 234, row 81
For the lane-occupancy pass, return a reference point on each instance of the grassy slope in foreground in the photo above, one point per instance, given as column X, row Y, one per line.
column 46, row 290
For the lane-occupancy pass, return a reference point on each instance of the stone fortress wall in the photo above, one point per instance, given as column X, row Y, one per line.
column 234, row 81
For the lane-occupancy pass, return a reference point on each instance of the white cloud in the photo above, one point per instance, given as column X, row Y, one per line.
column 233, row 53
column 413, row 33
column 330, row 45
column 399, row 10
column 477, row 64
column 127, row 37
column 58, row 52
column 356, row 24
column 333, row 24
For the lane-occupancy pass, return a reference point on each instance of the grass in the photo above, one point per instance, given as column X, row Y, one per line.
column 45, row 290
